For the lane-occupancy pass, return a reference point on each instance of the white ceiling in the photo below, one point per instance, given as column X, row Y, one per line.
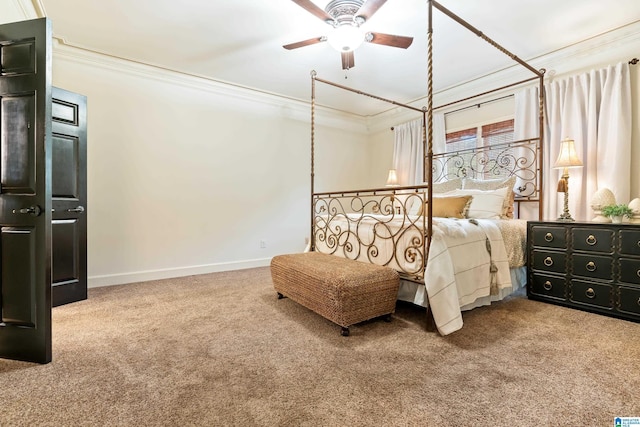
column 240, row 41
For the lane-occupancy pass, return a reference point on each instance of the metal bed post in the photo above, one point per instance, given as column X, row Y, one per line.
column 427, row 120
column 312, row 241
column 541, row 147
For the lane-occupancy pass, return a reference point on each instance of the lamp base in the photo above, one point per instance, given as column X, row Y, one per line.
column 564, row 184
column 566, row 217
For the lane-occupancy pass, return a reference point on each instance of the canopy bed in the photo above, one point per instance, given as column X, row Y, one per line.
column 453, row 239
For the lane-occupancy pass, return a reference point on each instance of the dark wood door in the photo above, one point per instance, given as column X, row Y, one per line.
column 25, row 190
column 69, row 192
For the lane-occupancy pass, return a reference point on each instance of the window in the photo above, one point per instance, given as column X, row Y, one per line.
column 462, row 139
column 497, row 133
column 481, row 136
column 477, row 163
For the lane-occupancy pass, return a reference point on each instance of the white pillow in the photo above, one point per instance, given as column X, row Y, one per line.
column 485, row 204
column 492, row 184
column 415, row 203
column 415, row 208
column 449, row 185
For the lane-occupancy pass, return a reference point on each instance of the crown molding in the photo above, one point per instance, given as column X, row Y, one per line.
column 17, row 10
column 30, row 9
column 238, row 97
column 620, row 44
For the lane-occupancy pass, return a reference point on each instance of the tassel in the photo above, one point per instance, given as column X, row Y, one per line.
column 493, row 271
column 562, row 185
column 493, row 289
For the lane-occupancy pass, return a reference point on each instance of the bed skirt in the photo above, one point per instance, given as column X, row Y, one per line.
column 415, row 292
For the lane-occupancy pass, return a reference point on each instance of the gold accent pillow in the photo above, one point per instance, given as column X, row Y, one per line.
column 450, row 207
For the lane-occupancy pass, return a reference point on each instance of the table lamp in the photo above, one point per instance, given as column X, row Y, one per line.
column 567, row 158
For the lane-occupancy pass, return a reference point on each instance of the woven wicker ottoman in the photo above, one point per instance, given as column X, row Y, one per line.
column 342, row 290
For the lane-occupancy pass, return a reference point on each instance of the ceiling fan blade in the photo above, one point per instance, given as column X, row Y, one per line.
column 304, row 43
column 389, row 40
column 314, row 10
column 348, row 60
column 369, row 8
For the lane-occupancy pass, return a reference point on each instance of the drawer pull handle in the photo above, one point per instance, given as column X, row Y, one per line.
column 638, row 243
column 591, row 266
column 638, row 301
column 590, row 293
column 548, row 261
column 591, row 240
column 638, row 273
column 549, row 238
column 547, row 286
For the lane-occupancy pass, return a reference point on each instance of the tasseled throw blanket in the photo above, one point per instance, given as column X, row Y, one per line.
column 467, row 261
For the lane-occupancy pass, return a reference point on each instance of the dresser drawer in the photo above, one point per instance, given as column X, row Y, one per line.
column 548, row 286
column 630, row 270
column 630, row 242
column 592, row 266
column 629, row 300
column 592, row 239
column 585, row 265
column 549, row 261
column 594, row 294
column 548, row 236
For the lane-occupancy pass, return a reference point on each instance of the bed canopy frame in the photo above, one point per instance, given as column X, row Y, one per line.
column 510, row 161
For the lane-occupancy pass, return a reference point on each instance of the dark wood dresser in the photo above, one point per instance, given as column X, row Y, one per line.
column 589, row 266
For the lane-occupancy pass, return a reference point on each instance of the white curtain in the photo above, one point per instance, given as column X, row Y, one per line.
column 594, row 109
column 408, row 151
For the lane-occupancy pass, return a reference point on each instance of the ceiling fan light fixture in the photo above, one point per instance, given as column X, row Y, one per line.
column 346, row 38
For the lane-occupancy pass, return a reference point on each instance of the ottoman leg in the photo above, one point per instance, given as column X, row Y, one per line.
column 387, row 317
column 345, row 331
column 280, row 296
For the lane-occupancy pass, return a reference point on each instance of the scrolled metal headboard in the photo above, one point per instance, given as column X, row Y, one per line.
column 520, row 159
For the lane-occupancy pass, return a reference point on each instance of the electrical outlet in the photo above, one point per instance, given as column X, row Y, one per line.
column 263, row 244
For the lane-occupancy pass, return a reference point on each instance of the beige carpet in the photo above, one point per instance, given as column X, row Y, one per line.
column 220, row 349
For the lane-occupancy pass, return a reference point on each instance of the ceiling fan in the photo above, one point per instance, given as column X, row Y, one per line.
column 346, row 17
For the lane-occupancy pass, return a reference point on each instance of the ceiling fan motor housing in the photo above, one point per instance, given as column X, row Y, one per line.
column 343, row 11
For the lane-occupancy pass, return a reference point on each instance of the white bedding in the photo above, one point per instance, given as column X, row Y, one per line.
column 459, row 267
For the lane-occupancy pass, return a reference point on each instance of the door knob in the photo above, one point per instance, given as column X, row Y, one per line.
column 32, row 210
column 79, row 209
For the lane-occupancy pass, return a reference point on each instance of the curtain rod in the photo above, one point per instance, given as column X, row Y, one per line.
column 634, row 61
column 477, row 105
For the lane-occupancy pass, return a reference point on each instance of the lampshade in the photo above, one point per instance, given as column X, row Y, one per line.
column 392, row 179
column 346, row 38
column 567, row 158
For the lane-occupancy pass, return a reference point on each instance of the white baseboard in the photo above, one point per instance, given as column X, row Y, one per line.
column 144, row 276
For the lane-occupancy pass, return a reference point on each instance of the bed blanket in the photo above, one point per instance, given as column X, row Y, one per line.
column 464, row 259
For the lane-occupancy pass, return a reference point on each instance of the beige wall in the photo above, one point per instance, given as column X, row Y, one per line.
column 185, row 176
